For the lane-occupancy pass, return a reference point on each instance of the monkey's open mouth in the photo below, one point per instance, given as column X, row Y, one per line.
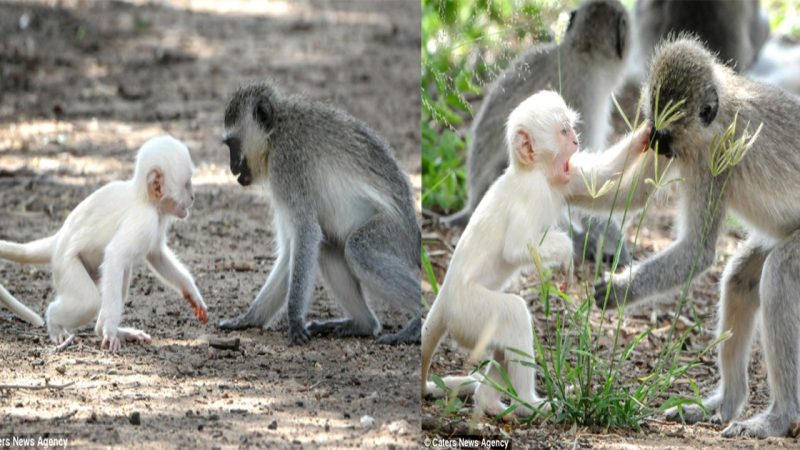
column 566, row 167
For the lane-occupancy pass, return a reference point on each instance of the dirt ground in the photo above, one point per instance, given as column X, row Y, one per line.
column 656, row 234
column 82, row 85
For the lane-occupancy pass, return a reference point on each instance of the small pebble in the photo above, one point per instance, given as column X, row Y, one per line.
column 367, row 421
column 135, row 418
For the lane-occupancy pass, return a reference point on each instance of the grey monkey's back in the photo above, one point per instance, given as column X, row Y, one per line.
column 323, row 141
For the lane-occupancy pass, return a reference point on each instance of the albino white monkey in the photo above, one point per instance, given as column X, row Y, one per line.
column 518, row 210
column 94, row 252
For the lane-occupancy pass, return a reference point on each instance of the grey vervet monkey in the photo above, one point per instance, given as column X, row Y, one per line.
column 340, row 201
column 590, row 62
column 735, row 29
column 762, row 191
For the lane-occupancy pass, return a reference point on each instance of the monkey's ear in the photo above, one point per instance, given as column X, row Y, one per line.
column 708, row 106
column 523, row 148
column 264, row 112
column 155, row 185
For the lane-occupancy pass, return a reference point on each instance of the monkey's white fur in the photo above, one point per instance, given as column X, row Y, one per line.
column 518, row 210
column 94, row 253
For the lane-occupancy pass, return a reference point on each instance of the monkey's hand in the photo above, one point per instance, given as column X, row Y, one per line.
column 198, row 306
column 108, row 328
column 640, row 141
column 610, row 293
column 298, row 333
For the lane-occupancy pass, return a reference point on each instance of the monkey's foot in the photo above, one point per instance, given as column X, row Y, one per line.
column 539, row 407
column 457, row 220
column 341, row 328
column 58, row 334
column 595, row 237
column 763, row 425
column 717, row 411
column 298, row 334
column 692, row 414
column 411, row 334
column 240, row 323
column 112, row 343
column 134, row 335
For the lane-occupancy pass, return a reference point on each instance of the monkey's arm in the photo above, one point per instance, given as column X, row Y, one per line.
column 304, row 248
column 624, row 163
column 166, row 266
column 703, row 210
column 556, row 248
column 119, row 255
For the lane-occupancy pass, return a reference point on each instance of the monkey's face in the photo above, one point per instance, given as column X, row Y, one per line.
column 249, row 121
column 566, row 143
column 238, row 161
column 600, row 28
column 684, row 101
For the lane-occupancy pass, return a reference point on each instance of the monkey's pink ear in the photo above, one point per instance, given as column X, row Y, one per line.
column 523, row 148
column 155, row 185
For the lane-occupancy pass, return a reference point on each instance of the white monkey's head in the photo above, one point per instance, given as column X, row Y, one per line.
column 540, row 136
column 164, row 168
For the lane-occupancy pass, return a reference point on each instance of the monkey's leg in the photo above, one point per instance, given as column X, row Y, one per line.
column 514, row 332
column 781, row 337
column 270, row 299
column 738, row 307
column 383, row 273
column 77, row 300
column 345, row 287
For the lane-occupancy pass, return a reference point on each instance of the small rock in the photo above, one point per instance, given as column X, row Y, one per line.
column 273, row 425
column 400, row 427
column 367, row 421
column 135, row 418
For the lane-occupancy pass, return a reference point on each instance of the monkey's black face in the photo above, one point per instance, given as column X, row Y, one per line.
column 664, row 140
column 238, row 162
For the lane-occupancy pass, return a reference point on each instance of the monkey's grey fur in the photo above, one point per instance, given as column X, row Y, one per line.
column 340, row 200
column 590, row 62
column 762, row 191
column 736, row 29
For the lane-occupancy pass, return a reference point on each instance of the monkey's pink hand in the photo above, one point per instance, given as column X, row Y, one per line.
column 641, row 142
column 198, row 306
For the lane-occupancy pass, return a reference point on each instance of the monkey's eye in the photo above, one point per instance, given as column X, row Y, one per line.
column 564, row 131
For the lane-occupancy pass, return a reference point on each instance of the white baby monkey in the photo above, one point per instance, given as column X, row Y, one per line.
column 519, row 210
column 94, row 252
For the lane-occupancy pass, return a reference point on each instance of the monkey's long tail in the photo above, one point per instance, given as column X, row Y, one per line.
column 432, row 331
column 35, row 252
column 22, row 311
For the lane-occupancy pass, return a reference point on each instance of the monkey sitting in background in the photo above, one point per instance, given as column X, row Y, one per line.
column 519, row 211
column 735, row 29
column 761, row 190
column 585, row 68
column 94, row 252
column 340, row 201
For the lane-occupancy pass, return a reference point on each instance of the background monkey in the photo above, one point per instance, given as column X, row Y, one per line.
column 518, row 210
column 590, row 62
column 736, row 29
column 762, row 191
column 340, row 200
column 94, row 252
